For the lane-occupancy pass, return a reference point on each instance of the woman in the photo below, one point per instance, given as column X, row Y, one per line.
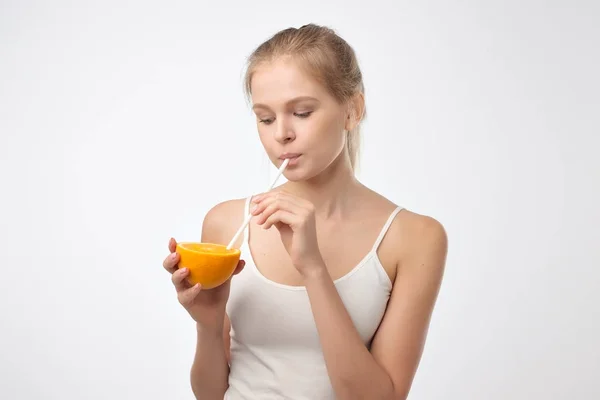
column 336, row 295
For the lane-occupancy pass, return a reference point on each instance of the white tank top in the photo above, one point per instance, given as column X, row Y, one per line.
column 275, row 348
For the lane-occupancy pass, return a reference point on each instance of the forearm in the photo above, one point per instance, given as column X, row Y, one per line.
column 353, row 371
column 210, row 370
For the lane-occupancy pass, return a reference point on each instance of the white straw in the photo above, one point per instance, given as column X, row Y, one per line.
column 249, row 216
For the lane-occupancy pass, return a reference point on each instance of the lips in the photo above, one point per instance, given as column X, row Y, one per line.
column 293, row 157
column 289, row 155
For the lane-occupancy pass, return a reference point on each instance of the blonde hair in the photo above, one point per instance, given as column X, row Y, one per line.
column 328, row 57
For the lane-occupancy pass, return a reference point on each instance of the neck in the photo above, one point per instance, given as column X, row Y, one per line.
column 330, row 191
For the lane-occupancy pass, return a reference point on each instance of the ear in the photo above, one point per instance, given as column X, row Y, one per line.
column 356, row 110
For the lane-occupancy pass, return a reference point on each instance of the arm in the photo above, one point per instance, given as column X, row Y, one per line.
column 210, row 368
column 388, row 370
column 355, row 373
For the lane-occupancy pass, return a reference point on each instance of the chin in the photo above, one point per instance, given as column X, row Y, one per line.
column 294, row 176
column 303, row 170
column 300, row 173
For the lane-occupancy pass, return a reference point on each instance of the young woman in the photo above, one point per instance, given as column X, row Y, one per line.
column 338, row 285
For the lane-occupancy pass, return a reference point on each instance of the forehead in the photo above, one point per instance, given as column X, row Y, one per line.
column 282, row 79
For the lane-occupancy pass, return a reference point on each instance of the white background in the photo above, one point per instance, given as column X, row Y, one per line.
column 123, row 122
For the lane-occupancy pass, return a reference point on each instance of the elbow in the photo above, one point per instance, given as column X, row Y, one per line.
column 385, row 391
column 394, row 395
column 400, row 396
column 381, row 387
column 398, row 393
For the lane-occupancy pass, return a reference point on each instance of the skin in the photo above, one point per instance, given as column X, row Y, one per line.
column 296, row 234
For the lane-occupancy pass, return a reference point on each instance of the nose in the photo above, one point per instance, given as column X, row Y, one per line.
column 284, row 132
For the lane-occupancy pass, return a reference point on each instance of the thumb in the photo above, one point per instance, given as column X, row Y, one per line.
column 239, row 267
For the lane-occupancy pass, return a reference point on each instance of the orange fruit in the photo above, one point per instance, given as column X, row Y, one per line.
column 210, row 264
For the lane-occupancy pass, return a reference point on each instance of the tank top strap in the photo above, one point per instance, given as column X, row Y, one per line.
column 386, row 227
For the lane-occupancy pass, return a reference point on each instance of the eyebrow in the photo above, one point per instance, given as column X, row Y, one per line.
column 289, row 102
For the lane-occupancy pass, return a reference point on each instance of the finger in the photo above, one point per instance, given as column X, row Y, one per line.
column 258, row 197
column 282, row 216
column 239, row 267
column 172, row 245
column 186, row 297
column 170, row 263
column 179, row 281
column 288, row 202
column 267, row 207
column 298, row 201
column 301, row 205
column 277, row 194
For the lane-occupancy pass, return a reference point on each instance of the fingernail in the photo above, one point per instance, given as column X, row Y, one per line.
column 184, row 270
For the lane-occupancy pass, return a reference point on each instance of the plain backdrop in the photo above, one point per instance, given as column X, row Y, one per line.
column 123, row 122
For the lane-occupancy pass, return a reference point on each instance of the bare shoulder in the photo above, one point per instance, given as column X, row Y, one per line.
column 222, row 221
column 424, row 240
column 412, row 236
column 422, row 227
column 421, row 245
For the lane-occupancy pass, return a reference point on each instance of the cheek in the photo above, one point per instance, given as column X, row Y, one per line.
column 265, row 137
column 264, row 133
column 331, row 133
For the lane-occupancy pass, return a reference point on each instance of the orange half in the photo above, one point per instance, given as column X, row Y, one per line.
column 210, row 264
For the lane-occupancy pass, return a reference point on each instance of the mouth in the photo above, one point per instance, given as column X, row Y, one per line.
column 293, row 157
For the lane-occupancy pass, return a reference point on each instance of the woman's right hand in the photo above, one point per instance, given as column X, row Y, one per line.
column 206, row 307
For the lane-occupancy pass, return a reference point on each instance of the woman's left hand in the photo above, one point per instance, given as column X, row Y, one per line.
column 294, row 218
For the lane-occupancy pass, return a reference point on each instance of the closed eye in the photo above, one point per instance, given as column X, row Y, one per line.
column 269, row 121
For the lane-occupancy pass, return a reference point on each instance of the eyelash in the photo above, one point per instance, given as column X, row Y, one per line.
column 299, row 115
